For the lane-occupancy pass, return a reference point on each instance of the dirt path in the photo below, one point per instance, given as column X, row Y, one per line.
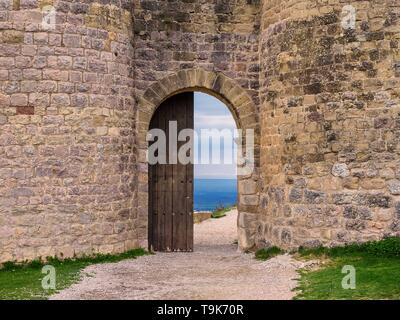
column 216, row 270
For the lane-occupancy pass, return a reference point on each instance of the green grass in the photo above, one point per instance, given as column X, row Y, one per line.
column 268, row 253
column 23, row 281
column 377, row 266
column 220, row 212
column 389, row 247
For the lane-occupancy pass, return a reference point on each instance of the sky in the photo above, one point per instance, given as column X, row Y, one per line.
column 211, row 113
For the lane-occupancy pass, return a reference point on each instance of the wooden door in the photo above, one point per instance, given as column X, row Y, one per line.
column 171, row 184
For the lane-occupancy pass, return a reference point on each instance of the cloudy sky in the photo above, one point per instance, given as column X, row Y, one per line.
column 210, row 113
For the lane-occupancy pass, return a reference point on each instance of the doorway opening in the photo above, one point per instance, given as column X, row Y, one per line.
column 192, row 168
column 244, row 111
column 215, row 188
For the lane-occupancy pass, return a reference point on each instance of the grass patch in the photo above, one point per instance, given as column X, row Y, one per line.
column 268, row 253
column 24, row 281
column 389, row 247
column 220, row 212
column 377, row 265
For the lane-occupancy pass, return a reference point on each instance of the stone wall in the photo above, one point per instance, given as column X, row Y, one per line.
column 330, row 122
column 66, row 129
column 76, row 101
column 71, row 172
column 214, row 37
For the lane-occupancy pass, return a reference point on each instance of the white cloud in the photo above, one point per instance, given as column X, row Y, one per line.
column 210, row 113
column 215, row 121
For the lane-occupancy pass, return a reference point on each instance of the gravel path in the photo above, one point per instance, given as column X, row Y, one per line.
column 216, row 270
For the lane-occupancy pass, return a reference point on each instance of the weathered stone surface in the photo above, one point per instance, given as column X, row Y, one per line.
column 344, row 146
column 22, row 192
column 397, row 210
column 394, row 186
column 246, row 239
column 314, row 197
column 249, row 200
column 58, row 174
column 247, row 187
column 357, row 225
column 352, row 212
column 311, row 244
column 395, row 226
column 340, row 170
column 295, row 195
column 247, row 220
column 286, row 237
column 324, row 103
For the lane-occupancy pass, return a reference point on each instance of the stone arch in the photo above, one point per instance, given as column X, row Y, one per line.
column 245, row 114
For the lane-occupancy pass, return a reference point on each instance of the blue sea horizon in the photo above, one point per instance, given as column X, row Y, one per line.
column 212, row 193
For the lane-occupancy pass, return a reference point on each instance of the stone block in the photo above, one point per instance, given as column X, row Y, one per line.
column 248, row 200
column 394, row 186
column 340, row 170
column 247, row 187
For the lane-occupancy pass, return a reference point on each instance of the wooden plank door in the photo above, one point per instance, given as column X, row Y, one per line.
column 171, row 184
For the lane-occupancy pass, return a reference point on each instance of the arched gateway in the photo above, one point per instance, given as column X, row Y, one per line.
column 77, row 98
column 245, row 115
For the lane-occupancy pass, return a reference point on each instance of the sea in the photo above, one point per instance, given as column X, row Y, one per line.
column 212, row 193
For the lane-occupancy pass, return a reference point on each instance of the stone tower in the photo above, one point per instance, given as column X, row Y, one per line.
column 67, row 121
column 329, row 115
column 318, row 81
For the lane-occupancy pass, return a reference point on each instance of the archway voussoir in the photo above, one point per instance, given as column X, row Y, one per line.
column 183, row 78
column 142, row 127
column 209, row 80
column 159, row 89
column 200, row 77
column 144, row 115
column 192, row 78
column 173, row 84
column 249, row 121
column 166, row 84
column 235, row 93
column 219, row 82
column 226, row 88
column 241, row 100
column 152, row 97
column 144, row 105
column 245, row 109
